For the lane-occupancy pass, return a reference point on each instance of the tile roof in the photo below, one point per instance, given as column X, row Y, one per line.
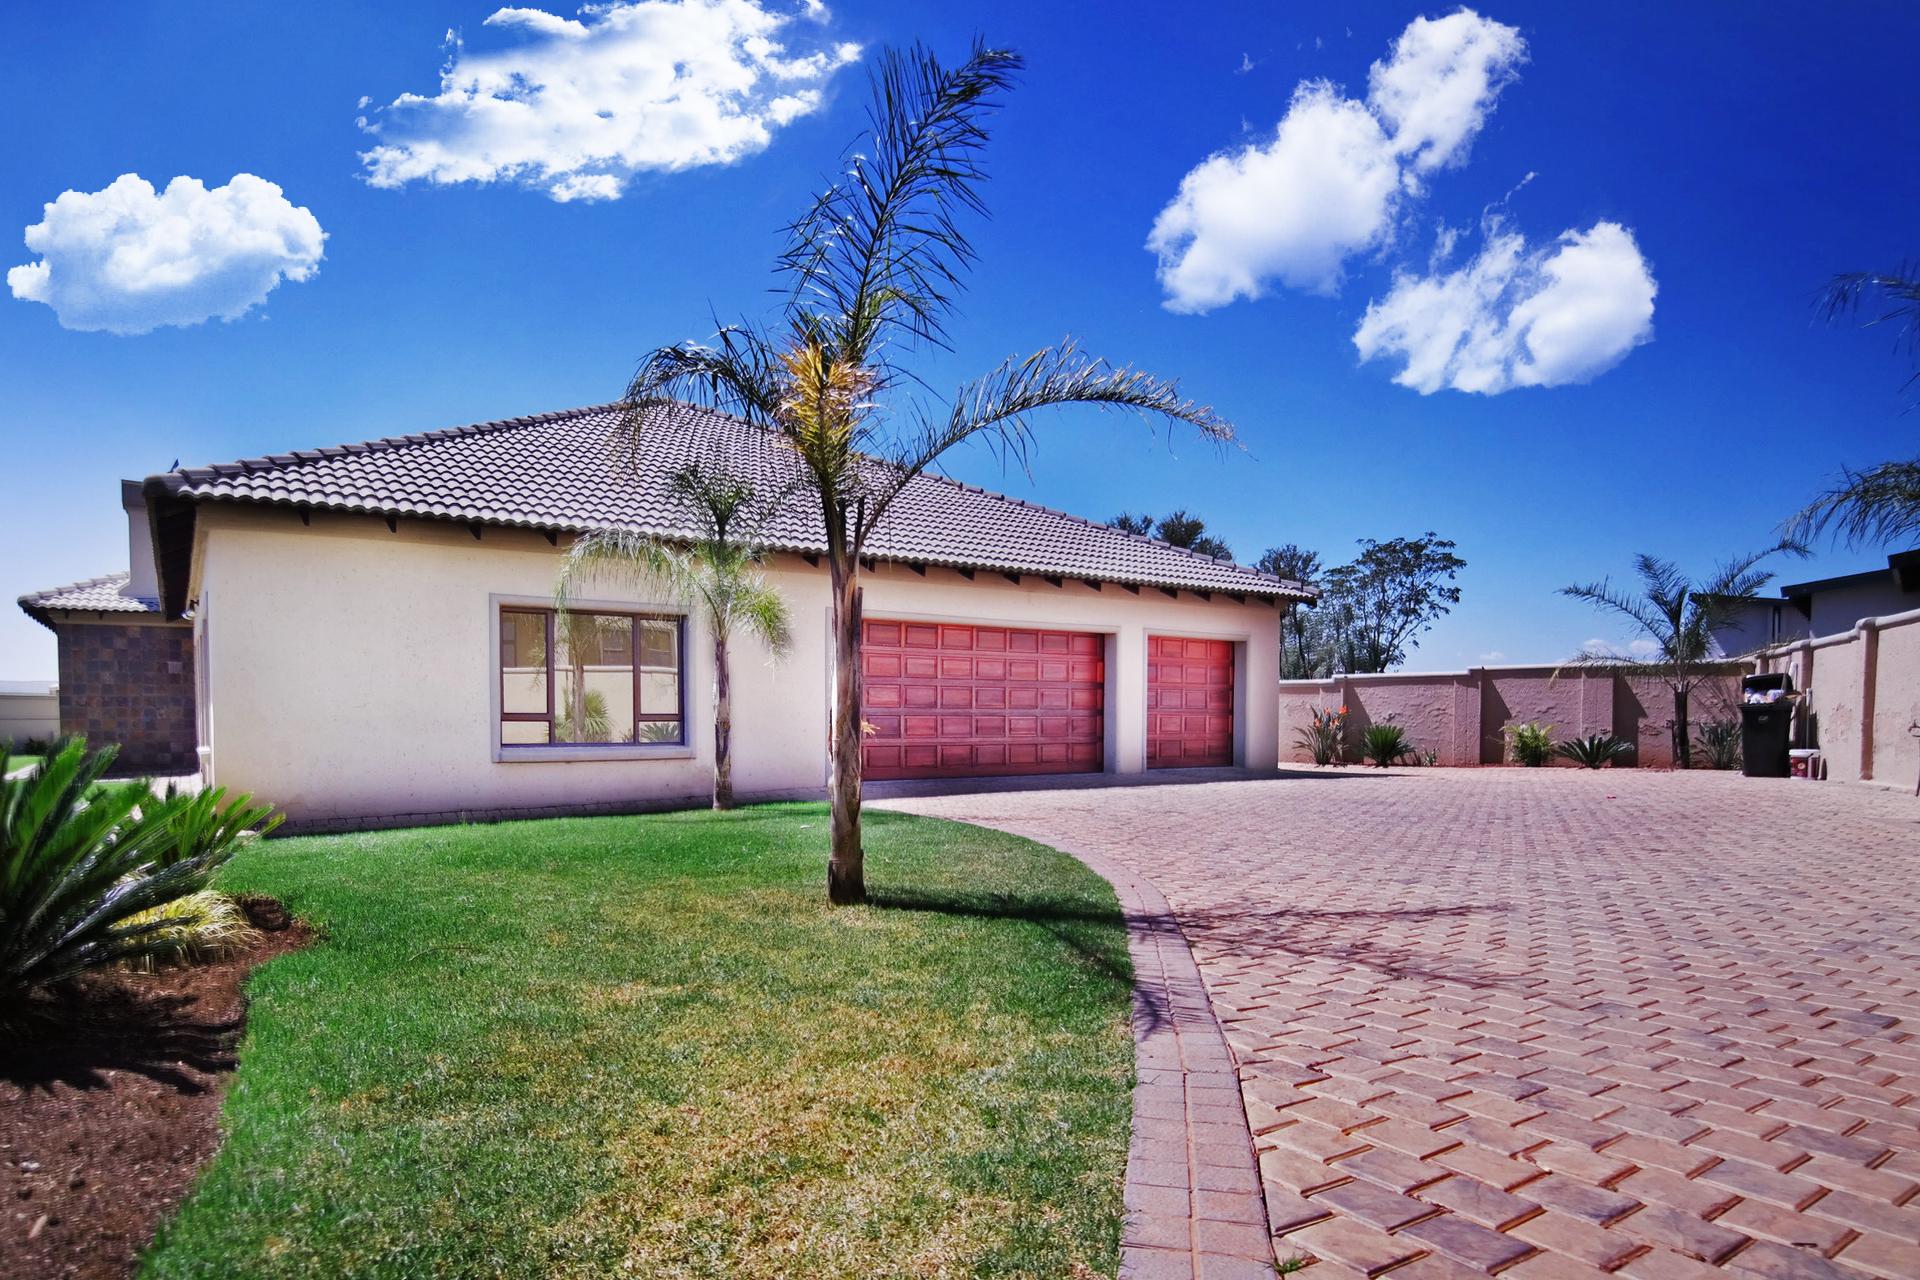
column 563, row 471
column 106, row 594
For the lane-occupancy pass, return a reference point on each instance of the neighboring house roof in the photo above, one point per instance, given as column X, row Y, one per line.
column 28, row 688
column 105, row 594
column 564, row 472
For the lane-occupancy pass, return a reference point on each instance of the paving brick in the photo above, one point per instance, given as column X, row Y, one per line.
column 1478, row 1202
column 1682, row 1232
column 1656, row 985
column 1579, row 1200
column 1353, row 1244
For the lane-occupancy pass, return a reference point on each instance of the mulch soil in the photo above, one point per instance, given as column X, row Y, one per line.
column 110, row 1102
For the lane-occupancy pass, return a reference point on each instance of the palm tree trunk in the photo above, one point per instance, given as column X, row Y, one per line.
column 846, row 863
column 722, row 721
column 1682, row 734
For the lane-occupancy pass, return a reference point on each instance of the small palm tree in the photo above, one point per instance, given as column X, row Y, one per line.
column 1679, row 616
column 718, row 573
column 1880, row 504
column 873, row 270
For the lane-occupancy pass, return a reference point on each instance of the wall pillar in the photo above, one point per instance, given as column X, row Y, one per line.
column 1127, row 701
column 1868, row 630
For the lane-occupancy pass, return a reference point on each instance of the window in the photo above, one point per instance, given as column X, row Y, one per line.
column 592, row 691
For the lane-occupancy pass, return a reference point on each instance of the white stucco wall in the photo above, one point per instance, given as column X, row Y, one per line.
column 348, row 669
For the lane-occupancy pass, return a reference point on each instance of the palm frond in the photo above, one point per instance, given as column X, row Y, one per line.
column 763, row 611
column 738, row 375
column 1893, row 296
column 1878, row 505
column 882, row 247
column 1604, row 595
column 998, row 405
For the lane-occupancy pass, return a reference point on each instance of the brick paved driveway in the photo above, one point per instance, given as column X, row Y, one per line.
column 1550, row 1023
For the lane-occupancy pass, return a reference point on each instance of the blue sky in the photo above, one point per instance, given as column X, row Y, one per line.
column 1741, row 156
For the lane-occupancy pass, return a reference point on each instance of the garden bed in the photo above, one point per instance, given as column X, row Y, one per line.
column 107, row 1114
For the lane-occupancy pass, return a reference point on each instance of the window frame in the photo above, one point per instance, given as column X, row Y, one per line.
column 498, row 606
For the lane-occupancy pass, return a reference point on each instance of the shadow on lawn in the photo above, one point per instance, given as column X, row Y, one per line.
column 1057, row 918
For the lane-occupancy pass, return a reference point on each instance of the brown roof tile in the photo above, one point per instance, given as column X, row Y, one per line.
column 563, row 471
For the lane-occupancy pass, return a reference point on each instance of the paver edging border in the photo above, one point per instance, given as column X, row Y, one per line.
column 1196, row 1209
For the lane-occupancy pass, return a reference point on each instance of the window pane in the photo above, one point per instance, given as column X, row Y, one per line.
column 594, row 691
column 660, row 667
column 660, row 731
column 523, row 664
column 520, row 733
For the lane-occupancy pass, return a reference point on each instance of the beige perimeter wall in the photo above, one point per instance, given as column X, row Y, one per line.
column 347, row 670
column 1459, row 715
column 1862, row 698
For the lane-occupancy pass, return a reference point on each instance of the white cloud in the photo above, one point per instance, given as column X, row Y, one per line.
column 1331, row 181
column 1439, row 85
column 579, row 105
column 1641, row 649
column 1515, row 316
column 1290, row 211
column 127, row 259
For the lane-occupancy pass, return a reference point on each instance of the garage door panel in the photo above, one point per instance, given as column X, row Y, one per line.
column 960, row 701
column 1189, row 702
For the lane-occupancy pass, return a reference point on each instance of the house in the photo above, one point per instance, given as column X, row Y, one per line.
column 365, row 634
column 29, row 711
column 1824, row 607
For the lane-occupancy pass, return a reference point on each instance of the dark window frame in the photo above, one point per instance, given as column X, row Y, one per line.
column 636, row 668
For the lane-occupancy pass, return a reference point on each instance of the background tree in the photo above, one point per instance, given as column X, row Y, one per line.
column 1179, row 530
column 873, row 271
column 717, row 573
column 1880, row 504
column 1679, row 616
column 1374, row 607
column 1300, row 639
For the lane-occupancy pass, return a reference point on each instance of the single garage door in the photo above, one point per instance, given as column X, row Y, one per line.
column 947, row 701
column 1189, row 702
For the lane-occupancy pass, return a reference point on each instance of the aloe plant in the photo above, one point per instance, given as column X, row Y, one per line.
column 1593, row 750
column 78, row 861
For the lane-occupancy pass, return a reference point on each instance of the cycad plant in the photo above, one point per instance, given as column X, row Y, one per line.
column 1385, row 744
column 83, row 868
column 1594, row 750
column 1679, row 617
column 872, row 272
column 718, row 572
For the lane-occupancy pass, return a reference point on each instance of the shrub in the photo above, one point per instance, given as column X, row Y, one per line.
column 1385, row 743
column 1594, row 750
column 195, row 927
column 1530, row 744
column 208, row 822
column 1719, row 743
column 80, row 864
column 1325, row 736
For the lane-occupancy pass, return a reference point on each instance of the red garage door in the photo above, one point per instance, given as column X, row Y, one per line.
column 1189, row 702
column 946, row 701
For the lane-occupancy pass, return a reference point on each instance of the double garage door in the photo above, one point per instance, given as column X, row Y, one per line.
column 946, row 700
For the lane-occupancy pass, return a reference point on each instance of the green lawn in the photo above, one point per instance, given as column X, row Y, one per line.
column 644, row 1046
column 15, row 763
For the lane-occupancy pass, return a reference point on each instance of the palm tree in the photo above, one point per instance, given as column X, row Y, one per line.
column 717, row 572
column 1882, row 503
column 1679, row 616
column 873, row 270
